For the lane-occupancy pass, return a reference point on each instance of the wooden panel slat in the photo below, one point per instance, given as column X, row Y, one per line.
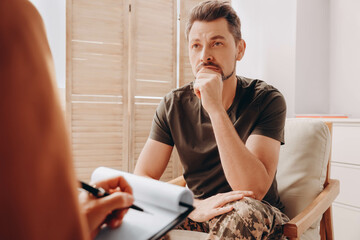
column 98, row 21
column 154, row 60
column 97, row 64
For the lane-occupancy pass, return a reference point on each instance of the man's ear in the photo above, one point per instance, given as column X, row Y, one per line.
column 241, row 46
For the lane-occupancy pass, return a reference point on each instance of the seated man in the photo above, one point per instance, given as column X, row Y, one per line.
column 227, row 130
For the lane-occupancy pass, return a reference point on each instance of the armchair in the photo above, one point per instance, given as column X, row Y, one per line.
column 304, row 182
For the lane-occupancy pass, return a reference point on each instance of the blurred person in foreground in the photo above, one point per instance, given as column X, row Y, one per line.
column 40, row 199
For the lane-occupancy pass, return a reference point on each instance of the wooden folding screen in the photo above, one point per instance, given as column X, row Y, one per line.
column 153, row 67
column 96, row 86
column 121, row 60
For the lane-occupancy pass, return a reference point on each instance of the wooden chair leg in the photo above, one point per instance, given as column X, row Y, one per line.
column 326, row 226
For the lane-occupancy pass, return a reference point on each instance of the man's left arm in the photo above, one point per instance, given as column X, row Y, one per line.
column 249, row 166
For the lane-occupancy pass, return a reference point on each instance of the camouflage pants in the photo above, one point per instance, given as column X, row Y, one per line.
column 250, row 219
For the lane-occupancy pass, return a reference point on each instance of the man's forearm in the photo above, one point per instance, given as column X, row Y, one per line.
column 243, row 170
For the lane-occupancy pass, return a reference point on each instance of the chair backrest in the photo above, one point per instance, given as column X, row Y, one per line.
column 302, row 167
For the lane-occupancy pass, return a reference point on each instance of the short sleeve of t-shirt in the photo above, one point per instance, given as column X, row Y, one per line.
column 271, row 121
column 160, row 130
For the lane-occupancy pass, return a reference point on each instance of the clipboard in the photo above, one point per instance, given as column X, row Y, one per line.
column 165, row 207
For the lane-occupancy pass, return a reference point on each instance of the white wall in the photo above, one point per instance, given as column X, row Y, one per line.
column 309, row 50
column 345, row 57
column 269, row 30
column 53, row 14
column 312, row 57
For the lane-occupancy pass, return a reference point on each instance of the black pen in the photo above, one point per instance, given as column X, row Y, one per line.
column 100, row 192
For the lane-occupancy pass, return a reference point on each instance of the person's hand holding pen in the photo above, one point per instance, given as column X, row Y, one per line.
column 108, row 210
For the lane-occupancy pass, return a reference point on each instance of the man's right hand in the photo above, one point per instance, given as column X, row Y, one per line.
column 214, row 206
column 208, row 87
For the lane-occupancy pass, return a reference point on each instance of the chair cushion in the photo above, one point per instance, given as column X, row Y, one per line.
column 303, row 165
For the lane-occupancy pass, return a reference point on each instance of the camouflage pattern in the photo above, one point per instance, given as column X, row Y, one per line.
column 191, row 225
column 250, row 219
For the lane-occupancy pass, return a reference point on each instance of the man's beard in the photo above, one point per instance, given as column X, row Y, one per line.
column 223, row 77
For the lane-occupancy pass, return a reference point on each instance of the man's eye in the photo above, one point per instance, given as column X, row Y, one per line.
column 195, row 46
column 216, row 44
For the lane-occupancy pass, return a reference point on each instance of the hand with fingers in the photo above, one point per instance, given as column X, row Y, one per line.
column 208, row 87
column 215, row 205
column 109, row 210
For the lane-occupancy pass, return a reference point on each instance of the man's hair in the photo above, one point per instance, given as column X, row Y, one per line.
column 212, row 10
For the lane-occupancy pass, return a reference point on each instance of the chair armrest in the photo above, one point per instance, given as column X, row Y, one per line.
column 180, row 181
column 299, row 224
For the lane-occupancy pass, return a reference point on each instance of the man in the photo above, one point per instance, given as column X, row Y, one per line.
column 39, row 197
column 227, row 130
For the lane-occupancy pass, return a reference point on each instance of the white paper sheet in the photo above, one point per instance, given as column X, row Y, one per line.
column 159, row 200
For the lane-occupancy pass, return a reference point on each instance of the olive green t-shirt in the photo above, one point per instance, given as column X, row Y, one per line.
column 180, row 120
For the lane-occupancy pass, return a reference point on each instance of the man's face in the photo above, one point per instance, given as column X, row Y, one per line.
column 211, row 45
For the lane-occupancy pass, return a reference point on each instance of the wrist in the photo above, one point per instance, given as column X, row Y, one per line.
column 197, row 202
column 217, row 113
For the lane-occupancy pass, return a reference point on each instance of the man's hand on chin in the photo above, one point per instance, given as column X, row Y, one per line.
column 208, row 87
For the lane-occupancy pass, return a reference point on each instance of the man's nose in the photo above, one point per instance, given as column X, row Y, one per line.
column 206, row 55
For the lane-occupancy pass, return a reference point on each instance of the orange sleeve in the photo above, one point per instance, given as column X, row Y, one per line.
column 38, row 186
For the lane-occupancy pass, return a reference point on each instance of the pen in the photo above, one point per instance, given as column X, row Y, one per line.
column 100, row 192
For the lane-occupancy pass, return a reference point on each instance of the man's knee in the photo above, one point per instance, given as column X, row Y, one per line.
column 248, row 220
column 249, row 209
